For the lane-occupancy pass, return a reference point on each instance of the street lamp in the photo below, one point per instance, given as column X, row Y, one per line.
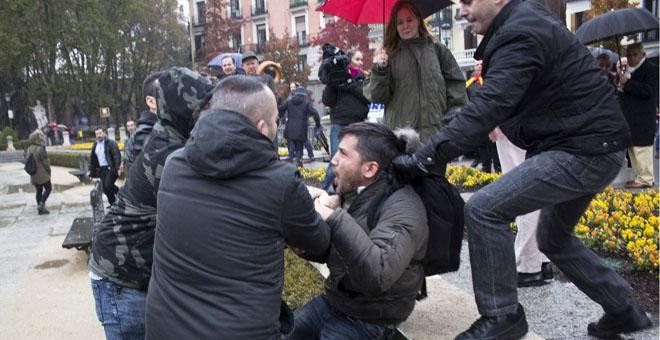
column 446, row 30
column 10, row 113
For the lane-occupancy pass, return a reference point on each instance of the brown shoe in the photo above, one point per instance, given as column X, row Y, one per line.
column 637, row 185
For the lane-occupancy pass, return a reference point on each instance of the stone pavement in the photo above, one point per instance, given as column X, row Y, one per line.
column 44, row 289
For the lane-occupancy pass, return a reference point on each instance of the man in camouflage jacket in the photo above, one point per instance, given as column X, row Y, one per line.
column 121, row 256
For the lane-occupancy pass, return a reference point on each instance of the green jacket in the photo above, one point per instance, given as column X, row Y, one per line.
column 41, row 157
column 419, row 84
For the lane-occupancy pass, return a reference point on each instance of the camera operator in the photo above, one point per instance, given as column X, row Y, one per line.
column 347, row 103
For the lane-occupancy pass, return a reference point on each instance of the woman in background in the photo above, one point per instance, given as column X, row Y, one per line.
column 41, row 179
column 416, row 77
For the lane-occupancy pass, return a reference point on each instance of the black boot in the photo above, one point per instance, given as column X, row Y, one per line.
column 510, row 326
column 41, row 209
column 630, row 320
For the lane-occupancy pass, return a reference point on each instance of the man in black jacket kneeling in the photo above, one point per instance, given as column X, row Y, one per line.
column 375, row 268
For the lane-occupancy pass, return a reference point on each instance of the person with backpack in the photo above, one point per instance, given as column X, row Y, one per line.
column 375, row 272
column 38, row 167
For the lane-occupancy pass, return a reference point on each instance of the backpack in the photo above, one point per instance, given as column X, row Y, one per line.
column 444, row 211
column 31, row 165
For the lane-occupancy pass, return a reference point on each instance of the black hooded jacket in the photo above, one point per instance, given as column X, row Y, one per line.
column 347, row 102
column 138, row 139
column 226, row 209
column 541, row 86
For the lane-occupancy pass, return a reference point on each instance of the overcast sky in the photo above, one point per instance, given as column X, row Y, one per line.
column 184, row 3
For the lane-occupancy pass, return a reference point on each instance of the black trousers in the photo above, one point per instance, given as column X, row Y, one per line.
column 489, row 157
column 43, row 191
column 108, row 177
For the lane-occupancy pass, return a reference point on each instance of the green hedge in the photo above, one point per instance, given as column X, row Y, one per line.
column 18, row 144
column 65, row 159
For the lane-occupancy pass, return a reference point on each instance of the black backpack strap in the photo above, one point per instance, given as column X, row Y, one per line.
column 374, row 208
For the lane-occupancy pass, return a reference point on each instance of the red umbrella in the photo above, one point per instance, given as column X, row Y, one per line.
column 376, row 11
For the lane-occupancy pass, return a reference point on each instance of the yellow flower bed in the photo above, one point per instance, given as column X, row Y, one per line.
column 619, row 222
column 468, row 178
column 88, row 146
column 317, row 174
column 461, row 176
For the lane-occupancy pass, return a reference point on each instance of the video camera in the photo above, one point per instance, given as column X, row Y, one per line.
column 334, row 68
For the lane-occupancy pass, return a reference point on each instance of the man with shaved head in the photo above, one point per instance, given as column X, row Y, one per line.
column 226, row 209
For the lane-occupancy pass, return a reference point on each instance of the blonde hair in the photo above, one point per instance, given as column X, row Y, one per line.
column 392, row 38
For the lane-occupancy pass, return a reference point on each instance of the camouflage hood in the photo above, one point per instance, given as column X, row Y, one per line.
column 180, row 92
column 36, row 138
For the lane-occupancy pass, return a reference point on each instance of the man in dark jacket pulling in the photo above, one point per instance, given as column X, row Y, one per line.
column 226, row 209
column 639, row 101
column 145, row 123
column 105, row 162
column 375, row 273
column 121, row 255
column 543, row 89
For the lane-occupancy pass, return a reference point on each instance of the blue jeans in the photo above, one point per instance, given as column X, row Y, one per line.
column 562, row 186
column 317, row 320
column 334, row 145
column 119, row 309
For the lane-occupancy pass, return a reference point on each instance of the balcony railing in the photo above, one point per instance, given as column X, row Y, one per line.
column 464, row 58
column 235, row 13
column 259, row 9
column 297, row 3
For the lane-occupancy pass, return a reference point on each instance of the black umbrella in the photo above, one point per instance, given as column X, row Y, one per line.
column 596, row 51
column 323, row 141
column 615, row 24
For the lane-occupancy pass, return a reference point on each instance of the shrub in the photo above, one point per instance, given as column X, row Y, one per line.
column 66, row 159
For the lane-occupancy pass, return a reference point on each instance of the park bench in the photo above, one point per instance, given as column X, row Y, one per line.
column 82, row 228
column 83, row 167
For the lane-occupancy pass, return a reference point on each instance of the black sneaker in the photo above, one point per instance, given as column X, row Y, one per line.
column 610, row 325
column 510, row 326
column 531, row 279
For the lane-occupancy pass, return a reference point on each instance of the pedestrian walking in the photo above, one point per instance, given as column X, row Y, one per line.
column 41, row 178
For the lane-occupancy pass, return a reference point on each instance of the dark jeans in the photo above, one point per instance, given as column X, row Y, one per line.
column 335, row 129
column 308, row 147
column 562, row 186
column 108, row 178
column 43, row 191
column 317, row 320
column 120, row 310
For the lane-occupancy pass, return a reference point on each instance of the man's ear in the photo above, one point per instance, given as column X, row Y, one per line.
column 151, row 102
column 370, row 169
column 262, row 127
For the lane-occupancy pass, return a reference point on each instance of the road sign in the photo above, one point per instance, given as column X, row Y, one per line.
column 105, row 112
column 10, row 113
